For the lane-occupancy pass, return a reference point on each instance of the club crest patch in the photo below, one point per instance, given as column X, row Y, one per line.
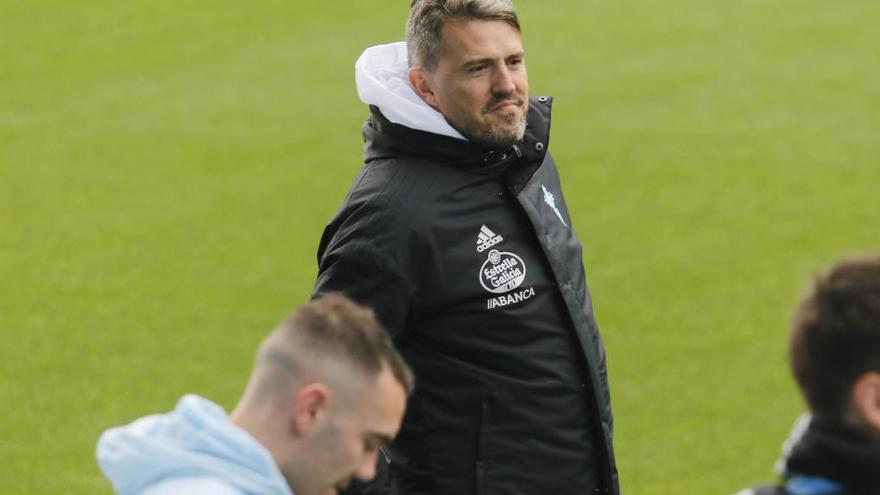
column 551, row 202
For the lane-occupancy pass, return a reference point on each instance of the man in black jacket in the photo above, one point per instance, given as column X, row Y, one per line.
column 835, row 356
column 456, row 232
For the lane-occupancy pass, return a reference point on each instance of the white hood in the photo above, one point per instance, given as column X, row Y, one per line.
column 381, row 77
column 196, row 440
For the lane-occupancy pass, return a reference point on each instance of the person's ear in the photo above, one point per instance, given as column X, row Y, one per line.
column 866, row 398
column 420, row 79
column 311, row 408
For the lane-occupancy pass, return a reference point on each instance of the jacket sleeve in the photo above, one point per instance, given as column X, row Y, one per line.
column 366, row 254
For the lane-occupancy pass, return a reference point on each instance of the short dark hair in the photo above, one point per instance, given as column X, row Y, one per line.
column 332, row 329
column 835, row 334
column 424, row 28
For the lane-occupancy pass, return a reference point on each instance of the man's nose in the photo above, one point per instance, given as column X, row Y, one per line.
column 503, row 82
column 366, row 470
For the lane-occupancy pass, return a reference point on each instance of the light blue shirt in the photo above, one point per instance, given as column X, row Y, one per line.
column 193, row 449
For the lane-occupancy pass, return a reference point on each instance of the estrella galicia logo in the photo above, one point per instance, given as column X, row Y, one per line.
column 502, row 272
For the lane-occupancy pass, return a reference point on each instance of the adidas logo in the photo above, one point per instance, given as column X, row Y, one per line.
column 486, row 239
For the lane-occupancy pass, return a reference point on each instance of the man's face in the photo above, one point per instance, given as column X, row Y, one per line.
column 348, row 445
column 480, row 83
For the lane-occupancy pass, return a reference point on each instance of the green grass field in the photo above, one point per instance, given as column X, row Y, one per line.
column 166, row 169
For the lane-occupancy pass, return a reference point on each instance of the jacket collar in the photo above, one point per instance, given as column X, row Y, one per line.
column 836, row 452
column 385, row 139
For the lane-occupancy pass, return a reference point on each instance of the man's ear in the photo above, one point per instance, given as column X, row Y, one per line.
column 866, row 397
column 311, row 408
column 420, row 80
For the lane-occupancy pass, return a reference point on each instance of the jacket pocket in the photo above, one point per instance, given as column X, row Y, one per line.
column 481, row 463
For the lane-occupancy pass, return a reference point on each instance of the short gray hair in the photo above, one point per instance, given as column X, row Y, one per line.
column 424, row 28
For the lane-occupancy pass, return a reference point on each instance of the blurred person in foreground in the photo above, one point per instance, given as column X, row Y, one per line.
column 834, row 351
column 456, row 233
column 326, row 390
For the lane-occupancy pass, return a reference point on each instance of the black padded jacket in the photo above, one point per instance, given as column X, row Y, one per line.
column 468, row 257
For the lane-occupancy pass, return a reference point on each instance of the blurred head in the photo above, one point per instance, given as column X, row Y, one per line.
column 467, row 62
column 835, row 343
column 327, row 390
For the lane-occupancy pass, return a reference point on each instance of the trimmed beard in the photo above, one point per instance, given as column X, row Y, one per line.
column 503, row 137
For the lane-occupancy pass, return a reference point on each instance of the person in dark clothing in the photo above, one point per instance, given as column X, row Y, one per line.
column 457, row 234
column 834, row 351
